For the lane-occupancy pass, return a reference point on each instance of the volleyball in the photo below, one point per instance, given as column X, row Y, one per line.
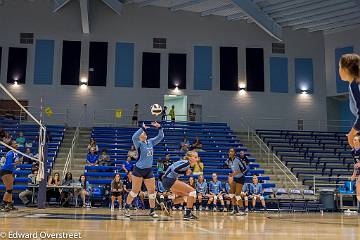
column 156, row 109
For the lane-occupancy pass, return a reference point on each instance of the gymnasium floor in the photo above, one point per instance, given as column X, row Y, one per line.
column 101, row 224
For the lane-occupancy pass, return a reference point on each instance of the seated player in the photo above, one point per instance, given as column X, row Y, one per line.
column 201, row 190
column 215, row 192
column 181, row 189
column 226, row 195
column 256, row 192
column 245, row 195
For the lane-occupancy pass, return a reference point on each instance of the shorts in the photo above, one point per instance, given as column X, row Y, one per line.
column 240, row 180
column 5, row 172
column 134, row 118
column 116, row 194
column 168, row 183
column 145, row 173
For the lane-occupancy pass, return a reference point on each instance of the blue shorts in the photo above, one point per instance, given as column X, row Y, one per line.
column 240, row 180
column 145, row 173
column 168, row 183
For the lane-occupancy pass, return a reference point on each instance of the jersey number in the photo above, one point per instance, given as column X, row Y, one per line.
column 150, row 153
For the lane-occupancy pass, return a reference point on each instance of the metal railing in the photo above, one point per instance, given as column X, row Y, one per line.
column 266, row 152
column 316, row 181
column 74, row 143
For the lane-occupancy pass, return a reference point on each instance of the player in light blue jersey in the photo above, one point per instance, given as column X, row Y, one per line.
column 7, row 176
column 215, row 192
column 256, row 192
column 142, row 171
column 181, row 189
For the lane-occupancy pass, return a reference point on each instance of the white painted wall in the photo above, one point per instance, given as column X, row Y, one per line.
column 183, row 30
column 333, row 41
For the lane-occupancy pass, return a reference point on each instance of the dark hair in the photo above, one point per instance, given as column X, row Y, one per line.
column 117, row 175
column 84, row 181
column 351, row 62
column 66, row 176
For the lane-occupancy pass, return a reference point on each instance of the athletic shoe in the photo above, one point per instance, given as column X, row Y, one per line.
column 246, row 210
column 112, row 208
column 127, row 213
column 11, row 207
column 153, row 214
column 215, row 209
column 241, row 213
column 207, row 209
column 200, row 208
column 120, row 208
column 225, row 210
column 180, row 208
column 233, row 212
column 174, row 208
column 189, row 217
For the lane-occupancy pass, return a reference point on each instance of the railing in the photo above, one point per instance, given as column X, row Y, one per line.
column 265, row 151
column 316, row 184
column 74, row 142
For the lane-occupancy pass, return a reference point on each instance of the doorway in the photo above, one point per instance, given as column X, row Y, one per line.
column 180, row 104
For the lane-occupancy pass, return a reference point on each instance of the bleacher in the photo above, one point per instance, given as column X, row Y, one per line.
column 325, row 155
column 31, row 133
column 216, row 139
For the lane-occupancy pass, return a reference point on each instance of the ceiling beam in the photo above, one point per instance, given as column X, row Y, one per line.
column 115, row 5
column 329, row 20
column 260, row 18
column 336, row 25
column 319, row 17
column 315, row 12
column 284, row 5
column 307, row 8
column 186, row 4
column 147, row 3
column 217, row 9
column 341, row 29
column 58, row 4
column 84, row 9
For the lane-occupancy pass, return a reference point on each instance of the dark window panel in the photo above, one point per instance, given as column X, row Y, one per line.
column 151, row 70
column 98, row 63
column 17, row 62
column 70, row 69
column 177, row 71
column 255, row 69
column 229, row 68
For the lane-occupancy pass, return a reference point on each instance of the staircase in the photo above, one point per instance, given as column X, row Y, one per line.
column 271, row 169
column 77, row 165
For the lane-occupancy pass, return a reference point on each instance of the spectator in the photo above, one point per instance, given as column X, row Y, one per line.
column 227, row 197
column 92, row 144
column 127, row 166
column 164, row 114
column 104, row 159
column 66, row 193
column 132, row 153
column 29, row 144
column 245, row 192
column 215, row 192
column 92, row 158
column 53, row 181
column 7, row 138
column 160, row 166
column 85, row 191
column 172, row 113
column 244, row 158
column 256, row 192
column 21, row 139
column 197, row 145
column 201, row 189
column 192, row 113
column 117, row 189
column 135, row 116
column 26, row 160
column 2, row 133
column 192, row 182
column 185, row 145
column 198, row 167
column 27, row 195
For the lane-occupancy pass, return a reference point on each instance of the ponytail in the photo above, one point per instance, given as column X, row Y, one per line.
column 351, row 62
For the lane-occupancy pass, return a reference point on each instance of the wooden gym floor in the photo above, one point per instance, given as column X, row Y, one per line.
column 99, row 223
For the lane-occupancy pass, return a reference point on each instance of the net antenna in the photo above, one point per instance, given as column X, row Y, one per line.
column 42, row 137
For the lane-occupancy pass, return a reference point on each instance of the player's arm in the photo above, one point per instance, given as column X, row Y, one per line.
column 135, row 137
column 156, row 140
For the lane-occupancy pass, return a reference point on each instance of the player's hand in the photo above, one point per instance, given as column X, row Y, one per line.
column 156, row 124
column 188, row 172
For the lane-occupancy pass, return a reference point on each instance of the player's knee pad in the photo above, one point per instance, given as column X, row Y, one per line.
column 192, row 194
column 9, row 191
column 161, row 196
column 152, row 195
column 231, row 195
column 132, row 194
column 221, row 198
column 246, row 198
column 215, row 197
column 238, row 198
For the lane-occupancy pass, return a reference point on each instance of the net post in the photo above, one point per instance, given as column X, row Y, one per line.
column 42, row 184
